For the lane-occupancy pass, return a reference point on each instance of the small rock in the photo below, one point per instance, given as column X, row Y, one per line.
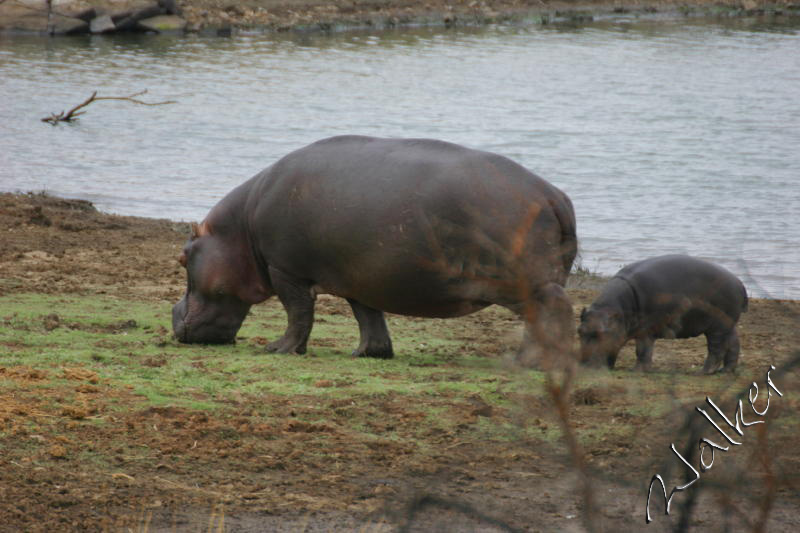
column 102, row 24
column 66, row 25
column 163, row 23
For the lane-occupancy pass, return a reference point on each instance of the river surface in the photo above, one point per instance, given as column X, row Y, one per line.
column 669, row 136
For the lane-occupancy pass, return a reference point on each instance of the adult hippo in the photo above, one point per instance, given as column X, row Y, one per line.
column 413, row 227
column 666, row 297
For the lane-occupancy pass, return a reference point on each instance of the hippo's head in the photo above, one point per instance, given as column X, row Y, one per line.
column 222, row 284
column 602, row 334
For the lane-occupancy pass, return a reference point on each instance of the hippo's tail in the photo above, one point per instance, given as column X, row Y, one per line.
column 569, row 238
column 746, row 299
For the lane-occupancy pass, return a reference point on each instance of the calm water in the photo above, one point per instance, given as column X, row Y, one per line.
column 668, row 136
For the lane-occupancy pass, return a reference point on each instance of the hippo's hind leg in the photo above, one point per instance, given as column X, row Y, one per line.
column 644, row 354
column 547, row 342
column 375, row 340
column 722, row 346
column 731, row 358
column 298, row 301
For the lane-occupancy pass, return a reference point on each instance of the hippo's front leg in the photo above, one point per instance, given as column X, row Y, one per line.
column 644, row 354
column 375, row 340
column 297, row 299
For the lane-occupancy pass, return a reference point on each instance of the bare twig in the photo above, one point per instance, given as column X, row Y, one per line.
column 559, row 391
column 73, row 113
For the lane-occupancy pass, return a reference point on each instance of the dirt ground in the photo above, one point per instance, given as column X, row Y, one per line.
column 66, row 247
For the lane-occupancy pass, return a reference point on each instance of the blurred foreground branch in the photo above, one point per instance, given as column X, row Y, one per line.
column 73, row 113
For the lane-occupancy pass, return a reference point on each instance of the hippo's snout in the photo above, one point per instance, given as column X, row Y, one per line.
column 599, row 352
column 206, row 324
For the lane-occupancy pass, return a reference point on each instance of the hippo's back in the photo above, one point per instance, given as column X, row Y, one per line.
column 708, row 291
column 401, row 217
column 402, row 171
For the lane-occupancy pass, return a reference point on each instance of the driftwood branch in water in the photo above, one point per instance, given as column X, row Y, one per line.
column 73, row 113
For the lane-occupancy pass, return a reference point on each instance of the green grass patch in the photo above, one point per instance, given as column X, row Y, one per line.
column 128, row 344
column 434, row 377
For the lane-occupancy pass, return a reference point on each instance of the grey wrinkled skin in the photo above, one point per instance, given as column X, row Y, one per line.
column 409, row 226
column 665, row 297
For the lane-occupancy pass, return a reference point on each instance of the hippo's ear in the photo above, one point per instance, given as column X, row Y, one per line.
column 199, row 230
column 182, row 259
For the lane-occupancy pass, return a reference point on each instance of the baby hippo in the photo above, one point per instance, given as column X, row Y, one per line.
column 666, row 297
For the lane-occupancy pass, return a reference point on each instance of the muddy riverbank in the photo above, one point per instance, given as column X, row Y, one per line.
column 224, row 16
column 107, row 424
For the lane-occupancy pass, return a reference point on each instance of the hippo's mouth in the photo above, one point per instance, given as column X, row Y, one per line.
column 596, row 357
column 181, row 332
column 213, row 330
column 185, row 335
column 180, row 329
